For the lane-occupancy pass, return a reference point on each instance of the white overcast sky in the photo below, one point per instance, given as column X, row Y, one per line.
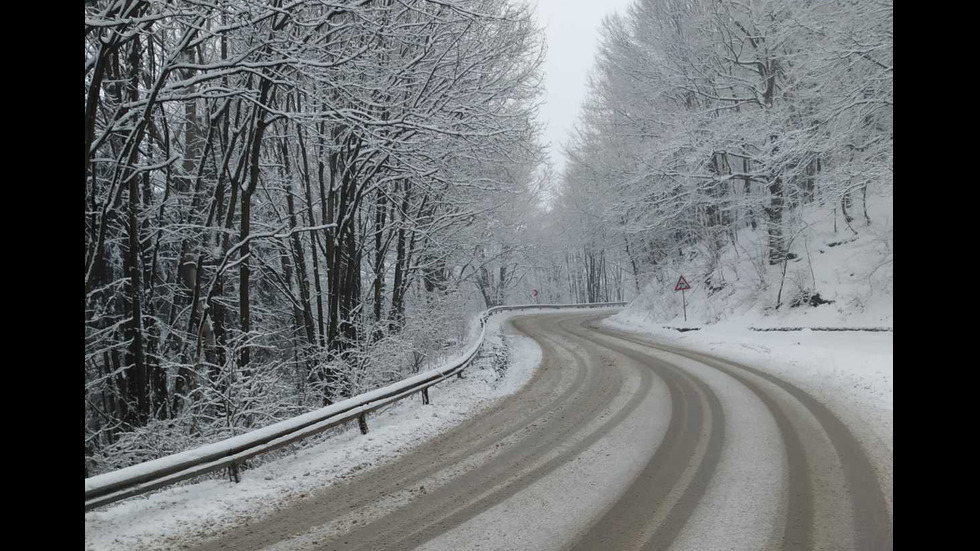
column 572, row 30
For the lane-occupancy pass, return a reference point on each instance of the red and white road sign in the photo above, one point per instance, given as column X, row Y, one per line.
column 534, row 293
column 682, row 285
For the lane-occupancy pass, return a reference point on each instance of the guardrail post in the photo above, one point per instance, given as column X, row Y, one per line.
column 425, row 396
column 362, row 423
column 233, row 472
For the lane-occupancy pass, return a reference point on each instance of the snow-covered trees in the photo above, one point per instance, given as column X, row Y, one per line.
column 268, row 182
column 708, row 117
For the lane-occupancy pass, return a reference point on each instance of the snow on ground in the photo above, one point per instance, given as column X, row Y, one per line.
column 852, row 373
column 853, row 270
column 169, row 518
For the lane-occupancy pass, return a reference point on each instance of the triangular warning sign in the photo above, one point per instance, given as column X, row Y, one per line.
column 682, row 285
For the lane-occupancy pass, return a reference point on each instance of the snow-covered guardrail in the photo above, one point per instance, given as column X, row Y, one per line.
column 137, row 479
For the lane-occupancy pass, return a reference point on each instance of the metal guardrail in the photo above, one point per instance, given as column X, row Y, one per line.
column 141, row 478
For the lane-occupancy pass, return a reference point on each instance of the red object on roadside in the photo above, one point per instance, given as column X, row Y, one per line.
column 682, row 285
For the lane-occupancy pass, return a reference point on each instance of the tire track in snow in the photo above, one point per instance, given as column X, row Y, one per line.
column 496, row 481
column 575, row 400
column 871, row 528
column 659, row 502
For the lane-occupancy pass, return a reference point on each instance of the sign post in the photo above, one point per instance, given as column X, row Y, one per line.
column 682, row 285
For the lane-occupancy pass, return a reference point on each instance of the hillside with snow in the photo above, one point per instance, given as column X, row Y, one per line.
column 836, row 276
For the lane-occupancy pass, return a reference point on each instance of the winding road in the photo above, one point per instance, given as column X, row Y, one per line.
column 616, row 443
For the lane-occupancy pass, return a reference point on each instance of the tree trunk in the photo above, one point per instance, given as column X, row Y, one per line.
column 774, row 212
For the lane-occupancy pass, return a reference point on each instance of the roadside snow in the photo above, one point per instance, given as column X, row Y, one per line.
column 174, row 517
column 850, row 271
column 851, row 373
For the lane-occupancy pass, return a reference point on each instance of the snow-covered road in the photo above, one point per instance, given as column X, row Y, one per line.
column 618, row 441
column 614, row 444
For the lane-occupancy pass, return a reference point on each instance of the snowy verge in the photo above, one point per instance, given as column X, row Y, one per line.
column 174, row 517
column 835, row 277
column 850, row 373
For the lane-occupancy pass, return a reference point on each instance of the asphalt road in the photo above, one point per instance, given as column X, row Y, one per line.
column 615, row 444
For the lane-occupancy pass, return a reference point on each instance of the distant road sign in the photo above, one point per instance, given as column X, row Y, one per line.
column 682, row 285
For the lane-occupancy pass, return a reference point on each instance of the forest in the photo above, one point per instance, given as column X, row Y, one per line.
column 289, row 202
column 705, row 118
column 278, row 196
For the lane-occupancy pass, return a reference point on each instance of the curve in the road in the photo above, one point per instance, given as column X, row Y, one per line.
column 799, row 514
column 495, row 481
column 538, row 419
column 576, row 398
column 872, row 522
column 624, row 526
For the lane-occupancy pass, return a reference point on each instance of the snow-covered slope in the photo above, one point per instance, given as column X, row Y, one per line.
column 852, row 272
